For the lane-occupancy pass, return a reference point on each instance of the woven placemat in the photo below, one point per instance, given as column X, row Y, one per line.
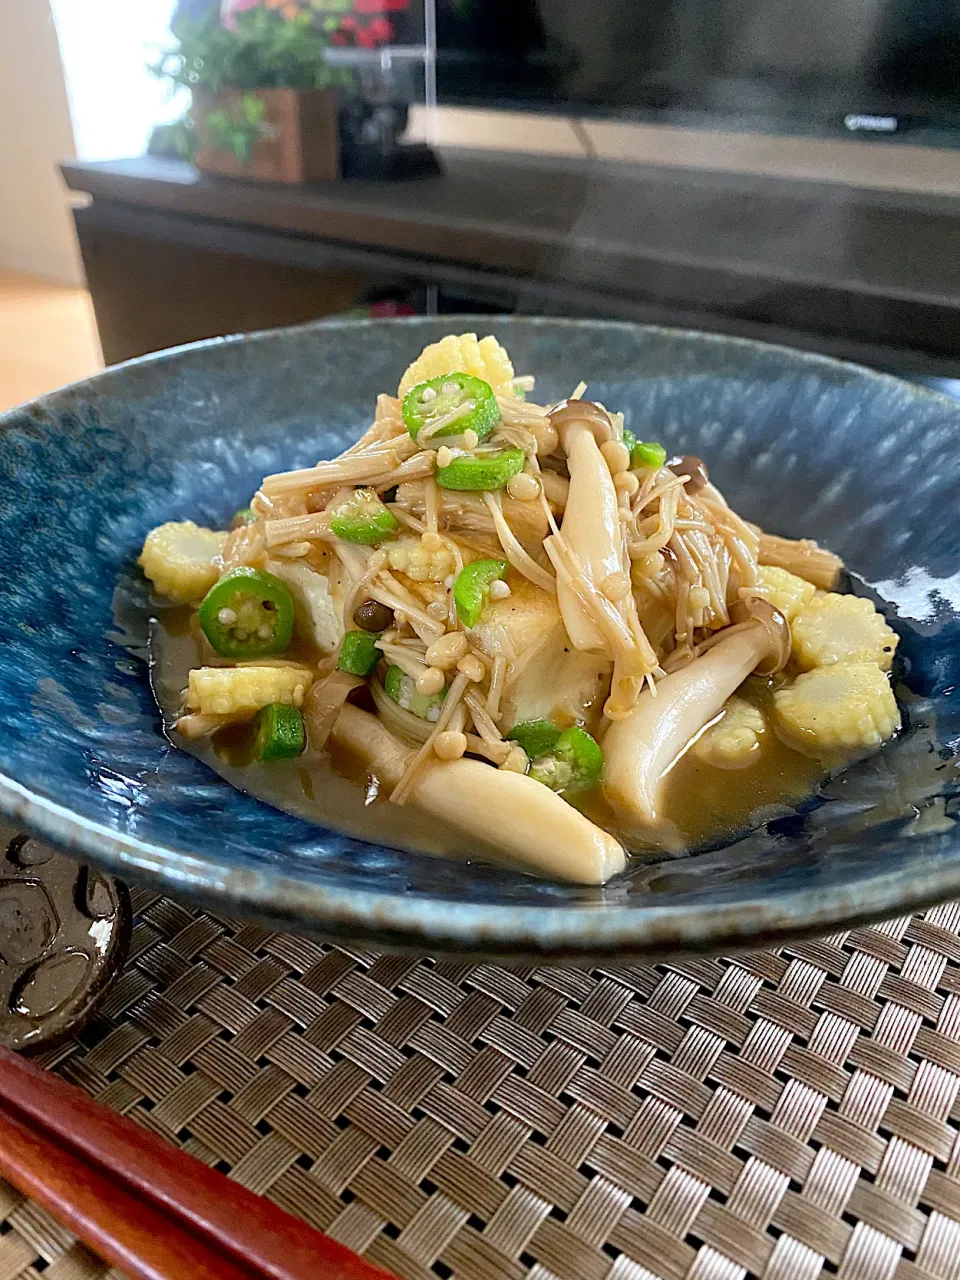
column 782, row 1114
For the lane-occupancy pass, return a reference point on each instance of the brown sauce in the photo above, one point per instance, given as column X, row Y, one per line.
column 706, row 805
column 311, row 786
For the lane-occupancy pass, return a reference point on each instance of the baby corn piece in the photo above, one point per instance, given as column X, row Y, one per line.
column 181, row 560
column 464, row 354
column 409, row 557
column 847, row 706
column 834, row 628
column 225, row 691
column 785, row 590
column 733, row 742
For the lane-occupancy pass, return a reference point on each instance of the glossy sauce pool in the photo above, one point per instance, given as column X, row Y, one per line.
column 706, row 805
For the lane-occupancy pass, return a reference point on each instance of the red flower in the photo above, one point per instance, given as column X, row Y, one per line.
column 338, row 38
column 347, row 23
column 368, row 6
column 381, row 30
column 387, row 308
column 365, row 40
column 230, row 8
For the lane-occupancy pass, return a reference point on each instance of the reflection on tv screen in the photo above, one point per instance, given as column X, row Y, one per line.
column 873, row 66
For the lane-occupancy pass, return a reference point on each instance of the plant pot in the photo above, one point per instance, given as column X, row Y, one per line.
column 269, row 135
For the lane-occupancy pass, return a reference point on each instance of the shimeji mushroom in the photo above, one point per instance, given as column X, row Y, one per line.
column 640, row 750
column 528, row 822
column 591, row 523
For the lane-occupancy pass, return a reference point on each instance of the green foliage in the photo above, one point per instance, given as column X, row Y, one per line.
column 265, row 51
column 239, row 127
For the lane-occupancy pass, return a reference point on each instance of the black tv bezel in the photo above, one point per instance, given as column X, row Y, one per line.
column 916, row 123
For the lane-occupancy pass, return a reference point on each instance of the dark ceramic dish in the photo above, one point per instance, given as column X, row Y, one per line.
column 805, row 446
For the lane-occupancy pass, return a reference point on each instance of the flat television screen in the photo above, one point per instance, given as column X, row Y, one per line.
column 883, row 66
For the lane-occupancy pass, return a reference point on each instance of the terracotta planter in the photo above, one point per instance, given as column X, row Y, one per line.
column 296, row 139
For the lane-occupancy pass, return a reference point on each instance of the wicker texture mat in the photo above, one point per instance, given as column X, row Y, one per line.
column 781, row 1115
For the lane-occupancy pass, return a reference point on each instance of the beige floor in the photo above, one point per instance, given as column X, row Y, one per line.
column 47, row 337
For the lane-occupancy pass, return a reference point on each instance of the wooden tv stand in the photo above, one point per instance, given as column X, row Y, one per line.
column 172, row 256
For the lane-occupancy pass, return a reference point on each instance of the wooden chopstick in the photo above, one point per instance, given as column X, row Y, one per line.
column 140, row 1177
column 126, row 1231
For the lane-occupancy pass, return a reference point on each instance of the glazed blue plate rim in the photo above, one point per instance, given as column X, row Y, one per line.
column 503, row 931
column 499, row 929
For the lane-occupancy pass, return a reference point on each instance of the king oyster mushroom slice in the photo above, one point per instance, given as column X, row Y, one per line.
column 531, row 825
column 640, row 751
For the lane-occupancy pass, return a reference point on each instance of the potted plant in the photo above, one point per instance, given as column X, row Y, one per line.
column 265, row 96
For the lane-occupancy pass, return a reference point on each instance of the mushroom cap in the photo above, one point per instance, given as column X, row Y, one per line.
column 690, row 465
column 583, row 413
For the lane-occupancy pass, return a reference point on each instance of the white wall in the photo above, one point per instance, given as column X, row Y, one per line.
column 106, row 47
column 36, row 231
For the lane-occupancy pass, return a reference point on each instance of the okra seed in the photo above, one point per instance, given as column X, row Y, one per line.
column 264, row 631
column 429, row 393
column 449, row 388
column 499, row 590
column 227, row 617
column 444, row 456
column 470, row 439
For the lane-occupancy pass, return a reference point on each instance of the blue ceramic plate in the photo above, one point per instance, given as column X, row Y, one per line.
column 805, row 446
